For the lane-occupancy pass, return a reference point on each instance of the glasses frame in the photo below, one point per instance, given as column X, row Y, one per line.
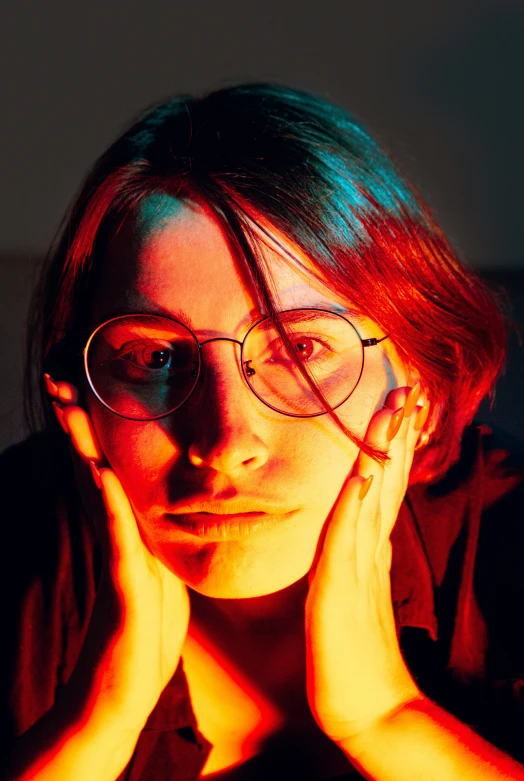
column 245, row 368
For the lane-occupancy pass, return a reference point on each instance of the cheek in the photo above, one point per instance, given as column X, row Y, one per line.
column 382, row 373
column 140, row 454
column 366, row 399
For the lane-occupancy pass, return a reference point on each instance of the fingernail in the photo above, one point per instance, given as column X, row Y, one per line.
column 422, row 440
column 411, row 401
column 96, row 474
column 67, row 394
column 364, row 488
column 50, row 385
column 60, row 416
column 422, row 416
column 395, row 423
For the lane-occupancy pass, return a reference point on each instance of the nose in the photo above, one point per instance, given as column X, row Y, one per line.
column 224, row 418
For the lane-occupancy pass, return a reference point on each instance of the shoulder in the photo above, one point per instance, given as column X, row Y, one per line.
column 28, row 496
column 31, row 496
column 503, row 467
column 29, row 470
column 490, row 466
column 486, row 482
column 479, row 512
column 499, row 566
column 501, row 486
column 46, row 578
column 46, row 533
column 493, row 499
column 497, row 592
column 471, row 526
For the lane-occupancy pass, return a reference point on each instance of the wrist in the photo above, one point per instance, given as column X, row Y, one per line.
column 72, row 741
column 365, row 735
column 88, row 702
column 382, row 698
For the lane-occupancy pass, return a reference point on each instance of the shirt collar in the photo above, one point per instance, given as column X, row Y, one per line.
column 431, row 518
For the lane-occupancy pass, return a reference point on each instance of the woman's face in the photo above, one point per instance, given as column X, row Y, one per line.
column 224, row 444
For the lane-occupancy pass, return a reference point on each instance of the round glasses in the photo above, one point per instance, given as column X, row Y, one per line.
column 143, row 367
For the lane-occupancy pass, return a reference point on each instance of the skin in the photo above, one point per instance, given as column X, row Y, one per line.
column 223, row 436
column 310, row 566
column 359, row 690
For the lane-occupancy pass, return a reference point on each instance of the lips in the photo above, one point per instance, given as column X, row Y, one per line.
column 235, row 506
column 220, row 527
column 228, row 515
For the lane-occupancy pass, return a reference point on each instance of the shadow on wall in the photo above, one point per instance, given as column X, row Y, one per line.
column 16, row 280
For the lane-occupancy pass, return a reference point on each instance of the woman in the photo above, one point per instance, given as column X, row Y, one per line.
column 254, row 338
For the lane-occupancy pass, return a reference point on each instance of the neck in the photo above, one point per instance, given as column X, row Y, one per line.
column 254, row 614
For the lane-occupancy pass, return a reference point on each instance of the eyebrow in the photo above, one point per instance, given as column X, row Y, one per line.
column 353, row 314
column 182, row 317
column 150, row 309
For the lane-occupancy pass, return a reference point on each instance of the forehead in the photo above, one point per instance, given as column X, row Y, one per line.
column 174, row 257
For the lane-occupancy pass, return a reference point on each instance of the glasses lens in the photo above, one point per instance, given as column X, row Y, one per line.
column 325, row 344
column 142, row 366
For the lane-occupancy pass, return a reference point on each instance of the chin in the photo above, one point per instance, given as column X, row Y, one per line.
column 222, row 571
column 242, row 588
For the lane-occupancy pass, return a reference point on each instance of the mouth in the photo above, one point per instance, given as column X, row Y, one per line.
column 231, row 506
column 219, row 527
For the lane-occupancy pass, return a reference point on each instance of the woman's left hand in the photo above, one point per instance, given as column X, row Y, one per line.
column 355, row 671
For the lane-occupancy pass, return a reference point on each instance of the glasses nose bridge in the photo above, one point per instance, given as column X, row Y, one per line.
column 222, row 339
column 245, row 371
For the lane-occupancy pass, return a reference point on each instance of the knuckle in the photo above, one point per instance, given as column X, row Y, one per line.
column 396, row 398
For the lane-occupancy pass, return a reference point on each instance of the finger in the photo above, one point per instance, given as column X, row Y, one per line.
column 397, row 471
column 407, row 396
column 59, row 412
column 368, row 530
column 82, row 433
column 422, row 417
column 402, row 444
column 422, row 440
column 404, row 399
column 412, row 400
column 60, row 391
column 395, row 480
column 417, row 436
column 67, row 393
column 125, row 546
column 382, row 427
column 389, row 427
column 50, row 385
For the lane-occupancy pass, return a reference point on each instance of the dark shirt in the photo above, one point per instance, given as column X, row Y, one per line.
column 457, row 585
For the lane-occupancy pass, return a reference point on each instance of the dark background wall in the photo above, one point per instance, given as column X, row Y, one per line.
column 438, row 81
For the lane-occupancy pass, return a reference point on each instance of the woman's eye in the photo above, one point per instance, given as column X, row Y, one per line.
column 305, row 348
column 157, row 357
column 147, row 356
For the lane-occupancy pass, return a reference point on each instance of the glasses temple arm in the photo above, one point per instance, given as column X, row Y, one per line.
column 373, row 341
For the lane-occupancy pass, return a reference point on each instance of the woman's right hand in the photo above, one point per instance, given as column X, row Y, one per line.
column 141, row 611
